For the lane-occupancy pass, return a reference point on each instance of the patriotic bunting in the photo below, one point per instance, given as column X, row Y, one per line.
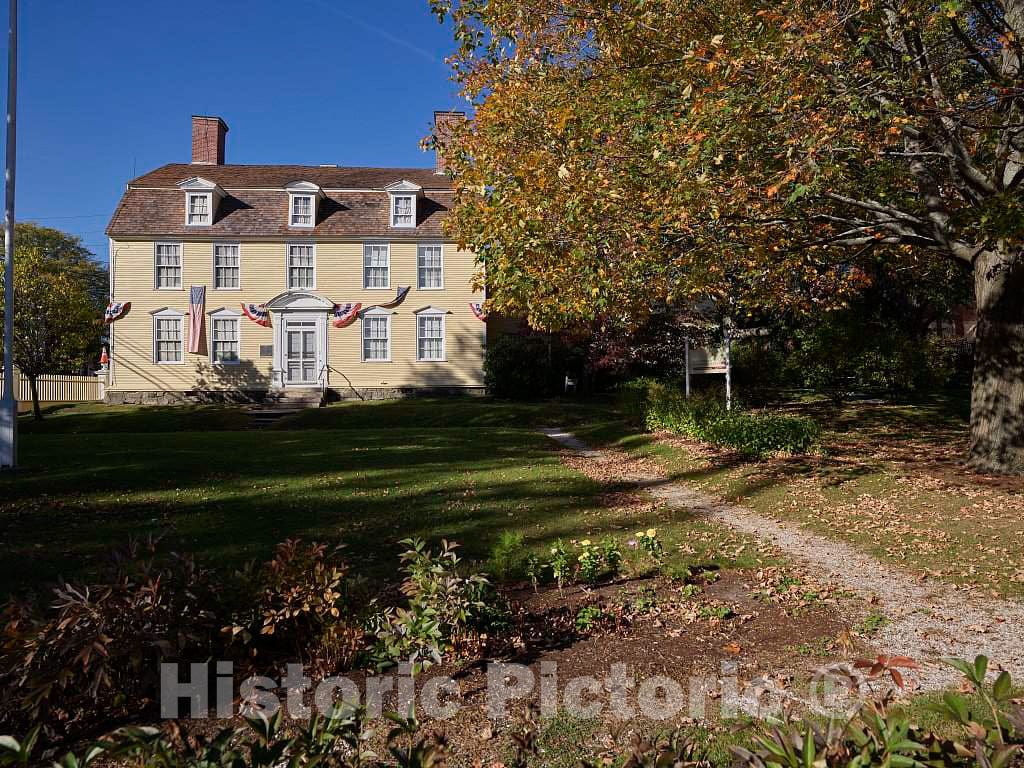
column 196, row 306
column 399, row 298
column 478, row 310
column 345, row 314
column 258, row 313
column 115, row 311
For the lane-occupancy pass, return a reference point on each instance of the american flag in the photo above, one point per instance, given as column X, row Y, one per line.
column 196, row 305
column 478, row 310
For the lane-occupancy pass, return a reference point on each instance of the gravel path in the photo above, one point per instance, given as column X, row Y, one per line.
column 927, row 620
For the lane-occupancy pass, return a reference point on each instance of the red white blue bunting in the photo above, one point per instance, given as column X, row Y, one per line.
column 115, row 311
column 345, row 314
column 258, row 313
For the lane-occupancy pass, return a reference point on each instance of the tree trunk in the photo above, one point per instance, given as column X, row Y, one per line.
column 997, row 394
column 33, row 387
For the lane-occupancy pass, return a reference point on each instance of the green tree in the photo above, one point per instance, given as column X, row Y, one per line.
column 625, row 152
column 57, row 305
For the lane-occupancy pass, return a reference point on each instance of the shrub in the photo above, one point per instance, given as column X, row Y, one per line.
column 523, row 366
column 93, row 652
column 443, row 607
column 705, row 418
column 302, row 604
column 760, row 370
column 883, row 736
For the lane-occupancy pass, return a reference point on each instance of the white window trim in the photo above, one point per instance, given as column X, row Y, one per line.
column 394, row 209
column 181, row 266
column 209, row 208
column 213, row 260
column 291, row 209
column 224, row 314
column 287, row 255
column 375, row 312
column 169, row 314
column 428, row 245
column 432, row 312
column 387, row 246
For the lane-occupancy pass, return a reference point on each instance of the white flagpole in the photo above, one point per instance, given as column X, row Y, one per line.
column 9, row 404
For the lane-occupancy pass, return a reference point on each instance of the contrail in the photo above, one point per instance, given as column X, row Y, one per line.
column 422, row 52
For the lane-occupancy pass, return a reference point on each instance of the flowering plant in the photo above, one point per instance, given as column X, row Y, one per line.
column 651, row 544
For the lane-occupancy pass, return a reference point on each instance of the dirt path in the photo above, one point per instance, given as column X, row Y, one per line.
column 927, row 620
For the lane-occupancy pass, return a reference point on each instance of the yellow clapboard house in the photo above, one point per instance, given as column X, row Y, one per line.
column 283, row 256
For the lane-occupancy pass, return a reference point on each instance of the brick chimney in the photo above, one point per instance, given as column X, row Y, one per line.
column 208, row 140
column 444, row 124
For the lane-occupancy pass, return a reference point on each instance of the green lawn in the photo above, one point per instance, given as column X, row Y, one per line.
column 366, row 474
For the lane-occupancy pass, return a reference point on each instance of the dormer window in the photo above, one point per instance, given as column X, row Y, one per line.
column 201, row 199
column 404, row 195
column 302, row 211
column 403, row 210
column 199, row 208
column 302, row 199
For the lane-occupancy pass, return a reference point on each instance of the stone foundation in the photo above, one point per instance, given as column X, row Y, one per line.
column 183, row 398
column 241, row 397
column 401, row 393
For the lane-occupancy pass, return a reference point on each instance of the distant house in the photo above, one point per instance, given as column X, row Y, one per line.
column 253, row 279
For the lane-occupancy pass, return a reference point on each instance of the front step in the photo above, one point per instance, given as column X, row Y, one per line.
column 281, row 404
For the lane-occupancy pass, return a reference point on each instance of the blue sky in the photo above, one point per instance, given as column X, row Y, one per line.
column 107, row 89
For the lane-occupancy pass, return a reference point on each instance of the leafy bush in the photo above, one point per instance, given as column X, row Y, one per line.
column 760, row 370
column 443, row 607
column 883, row 736
column 705, row 418
column 302, row 603
column 92, row 653
column 838, row 356
column 524, row 366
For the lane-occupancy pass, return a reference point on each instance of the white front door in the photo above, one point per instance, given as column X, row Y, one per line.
column 300, row 353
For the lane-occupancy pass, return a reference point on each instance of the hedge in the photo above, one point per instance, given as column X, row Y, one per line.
column 658, row 406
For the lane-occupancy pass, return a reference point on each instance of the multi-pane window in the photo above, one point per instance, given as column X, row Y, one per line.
column 199, row 209
column 301, row 266
column 376, row 265
column 226, row 270
column 302, row 211
column 403, row 211
column 224, row 337
column 429, row 267
column 168, row 265
column 377, row 337
column 430, row 337
column 167, row 342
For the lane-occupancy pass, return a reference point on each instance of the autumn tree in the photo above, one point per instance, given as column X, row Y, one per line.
column 57, row 305
column 628, row 152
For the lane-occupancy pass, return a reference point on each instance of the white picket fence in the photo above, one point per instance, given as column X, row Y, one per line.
column 58, row 388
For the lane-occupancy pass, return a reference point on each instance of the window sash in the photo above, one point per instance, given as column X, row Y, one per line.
column 302, row 210
column 376, row 338
column 376, row 265
column 168, row 265
column 430, row 337
column 198, row 209
column 224, row 334
column 429, row 266
column 301, row 266
column 402, row 211
column 226, row 266
column 168, row 346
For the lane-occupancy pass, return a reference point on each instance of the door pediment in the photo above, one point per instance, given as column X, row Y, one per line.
column 299, row 301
